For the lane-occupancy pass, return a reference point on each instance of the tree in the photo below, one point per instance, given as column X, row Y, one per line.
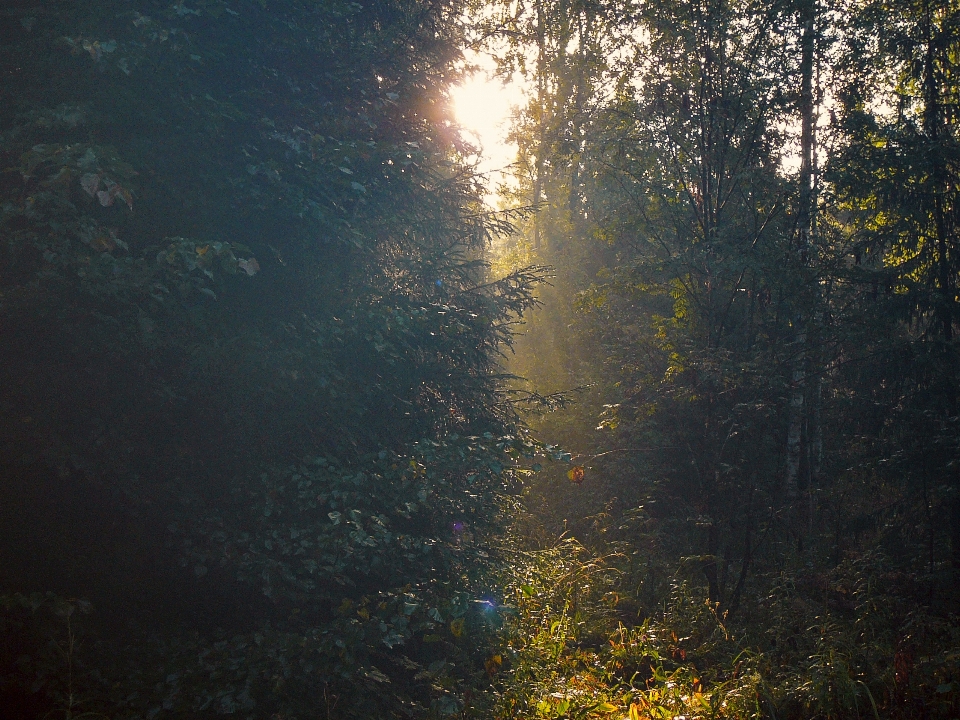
column 896, row 181
column 692, row 195
column 245, row 309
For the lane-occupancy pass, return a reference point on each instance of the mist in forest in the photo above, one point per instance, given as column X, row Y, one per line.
column 308, row 411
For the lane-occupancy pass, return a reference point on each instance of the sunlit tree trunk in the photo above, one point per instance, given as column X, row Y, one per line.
column 541, row 149
column 585, row 28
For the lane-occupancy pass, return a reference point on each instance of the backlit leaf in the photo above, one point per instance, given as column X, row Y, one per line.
column 575, row 474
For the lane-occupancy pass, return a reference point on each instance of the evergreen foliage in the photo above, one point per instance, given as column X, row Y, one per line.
column 262, row 455
column 248, row 340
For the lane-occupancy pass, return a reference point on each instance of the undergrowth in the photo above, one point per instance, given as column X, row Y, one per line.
column 579, row 642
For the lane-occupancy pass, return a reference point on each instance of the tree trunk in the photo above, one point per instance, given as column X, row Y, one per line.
column 805, row 213
column 540, row 153
column 932, row 118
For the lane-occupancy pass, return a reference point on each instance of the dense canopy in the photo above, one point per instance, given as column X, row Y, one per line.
column 248, row 341
column 265, row 446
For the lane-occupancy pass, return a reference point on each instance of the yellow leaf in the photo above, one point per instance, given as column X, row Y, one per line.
column 493, row 664
column 634, row 712
column 456, row 627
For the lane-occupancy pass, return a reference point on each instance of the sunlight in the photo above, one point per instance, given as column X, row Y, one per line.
column 483, row 106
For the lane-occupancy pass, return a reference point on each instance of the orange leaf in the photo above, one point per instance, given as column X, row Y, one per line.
column 575, row 474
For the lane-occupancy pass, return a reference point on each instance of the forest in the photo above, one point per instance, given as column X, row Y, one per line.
column 296, row 423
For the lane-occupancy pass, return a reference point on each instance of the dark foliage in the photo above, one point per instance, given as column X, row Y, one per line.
column 249, row 361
